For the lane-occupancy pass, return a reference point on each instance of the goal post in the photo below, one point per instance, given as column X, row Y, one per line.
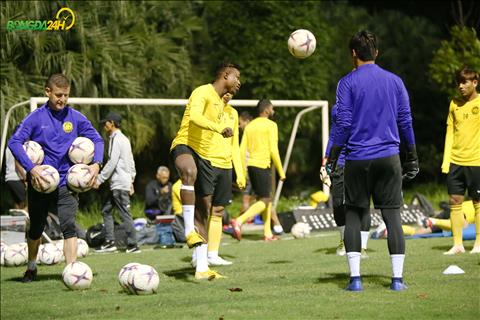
column 306, row 105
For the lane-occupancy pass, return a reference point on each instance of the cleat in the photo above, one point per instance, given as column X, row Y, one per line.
column 398, row 285
column 208, row 275
column 271, row 238
column 29, row 276
column 476, row 249
column 364, row 254
column 355, row 284
column 218, row 261
column 194, row 239
column 133, row 249
column 108, row 246
column 341, row 249
column 455, row 250
column 237, row 229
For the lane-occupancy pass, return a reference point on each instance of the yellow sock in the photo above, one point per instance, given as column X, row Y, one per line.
column 267, row 218
column 254, row 209
column 214, row 233
column 408, row 231
column 457, row 218
column 443, row 224
column 477, row 223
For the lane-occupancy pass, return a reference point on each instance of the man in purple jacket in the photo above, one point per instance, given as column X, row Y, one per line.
column 373, row 117
column 54, row 126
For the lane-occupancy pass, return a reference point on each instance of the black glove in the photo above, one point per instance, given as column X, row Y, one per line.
column 332, row 159
column 410, row 166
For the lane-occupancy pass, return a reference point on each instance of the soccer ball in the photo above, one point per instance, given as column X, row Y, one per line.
column 301, row 43
column 34, row 151
column 77, row 276
column 143, row 280
column 78, row 177
column 81, row 150
column 50, row 254
column 59, row 245
column 300, row 230
column 16, row 255
column 123, row 274
column 3, row 248
column 50, row 179
column 82, row 248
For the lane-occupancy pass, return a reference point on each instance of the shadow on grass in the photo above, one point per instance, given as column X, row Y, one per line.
column 280, row 262
column 441, row 248
column 341, row 279
column 253, row 237
column 40, row 277
column 183, row 274
column 334, row 250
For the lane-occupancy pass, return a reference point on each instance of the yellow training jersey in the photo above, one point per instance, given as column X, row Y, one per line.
column 201, row 120
column 462, row 141
column 176, row 200
column 226, row 151
column 260, row 142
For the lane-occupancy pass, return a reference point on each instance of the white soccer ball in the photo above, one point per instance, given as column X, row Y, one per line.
column 300, row 230
column 50, row 254
column 81, row 150
column 49, row 181
column 77, row 275
column 82, row 248
column 34, row 151
column 16, row 254
column 123, row 274
column 143, row 280
column 78, row 177
column 301, row 43
column 3, row 249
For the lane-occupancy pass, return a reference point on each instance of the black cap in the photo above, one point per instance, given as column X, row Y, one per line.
column 112, row 116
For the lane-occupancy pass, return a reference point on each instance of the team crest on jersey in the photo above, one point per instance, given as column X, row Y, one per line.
column 67, row 127
column 475, row 110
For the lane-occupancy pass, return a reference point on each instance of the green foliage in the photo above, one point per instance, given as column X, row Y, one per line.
column 287, row 279
column 462, row 49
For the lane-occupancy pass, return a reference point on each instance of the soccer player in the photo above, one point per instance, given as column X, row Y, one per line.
column 260, row 142
column 337, row 195
column 190, row 149
column 373, row 116
column 225, row 153
column 461, row 157
column 54, row 126
column 120, row 170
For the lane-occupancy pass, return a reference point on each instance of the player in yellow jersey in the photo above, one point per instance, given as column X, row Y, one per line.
column 225, row 153
column 260, row 142
column 201, row 122
column 461, row 158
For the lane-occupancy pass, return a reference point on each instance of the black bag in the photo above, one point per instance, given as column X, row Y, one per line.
column 95, row 235
column 120, row 235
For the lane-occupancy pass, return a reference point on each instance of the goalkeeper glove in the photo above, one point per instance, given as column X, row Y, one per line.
column 410, row 166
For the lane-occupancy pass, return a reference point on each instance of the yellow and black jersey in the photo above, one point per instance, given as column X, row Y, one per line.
column 462, row 141
column 201, row 121
column 259, row 145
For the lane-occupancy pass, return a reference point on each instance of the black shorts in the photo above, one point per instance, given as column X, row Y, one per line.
column 210, row 181
column 464, row 178
column 337, row 190
column 17, row 189
column 261, row 181
column 380, row 179
column 62, row 202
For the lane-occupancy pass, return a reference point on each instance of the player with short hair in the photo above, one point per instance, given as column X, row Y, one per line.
column 373, row 117
column 461, row 157
column 55, row 125
column 337, row 194
column 191, row 148
column 260, row 142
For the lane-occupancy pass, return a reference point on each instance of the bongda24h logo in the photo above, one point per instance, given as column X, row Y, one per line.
column 64, row 20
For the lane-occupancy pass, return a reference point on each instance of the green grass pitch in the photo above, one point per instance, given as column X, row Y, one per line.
column 287, row 279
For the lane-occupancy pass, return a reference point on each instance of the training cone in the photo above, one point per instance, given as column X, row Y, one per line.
column 453, row 269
